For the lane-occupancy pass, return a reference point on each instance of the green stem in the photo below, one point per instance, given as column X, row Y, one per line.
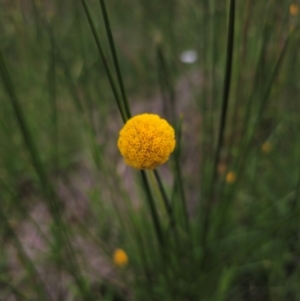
column 167, row 90
column 105, row 62
column 163, row 194
column 179, row 179
column 153, row 210
column 226, row 90
column 115, row 58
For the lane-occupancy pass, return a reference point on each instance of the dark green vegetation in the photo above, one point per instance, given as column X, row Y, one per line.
column 190, row 232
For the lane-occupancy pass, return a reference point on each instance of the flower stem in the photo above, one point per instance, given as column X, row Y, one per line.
column 153, row 210
column 226, row 90
column 105, row 62
column 115, row 58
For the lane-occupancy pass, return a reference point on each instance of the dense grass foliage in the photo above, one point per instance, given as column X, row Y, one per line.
column 219, row 220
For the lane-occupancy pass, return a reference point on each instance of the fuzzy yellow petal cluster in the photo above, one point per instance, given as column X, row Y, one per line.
column 146, row 141
column 120, row 258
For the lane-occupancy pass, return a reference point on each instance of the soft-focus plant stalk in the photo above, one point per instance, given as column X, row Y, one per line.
column 225, row 100
column 115, row 58
column 105, row 62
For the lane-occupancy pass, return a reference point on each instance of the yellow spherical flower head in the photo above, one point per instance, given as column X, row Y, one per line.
column 230, row 177
column 146, row 141
column 120, row 258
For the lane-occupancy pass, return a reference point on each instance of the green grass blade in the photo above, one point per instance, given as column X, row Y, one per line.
column 164, row 196
column 153, row 210
column 166, row 87
column 105, row 62
column 225, row 100
column 115, row 58
column 226, row 88
column 179, row 179
column 52, row 85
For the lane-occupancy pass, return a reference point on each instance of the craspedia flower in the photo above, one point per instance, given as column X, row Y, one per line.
column 120, row 258
column 230, row 177
column 294, row 9
column 146, row 141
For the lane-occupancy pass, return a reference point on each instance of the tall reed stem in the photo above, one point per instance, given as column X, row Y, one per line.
column 225, row 100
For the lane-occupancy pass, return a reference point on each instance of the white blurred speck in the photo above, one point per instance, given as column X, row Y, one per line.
column 189, row 56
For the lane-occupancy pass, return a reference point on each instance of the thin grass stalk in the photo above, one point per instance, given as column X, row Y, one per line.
column 295, row 202
column 37, row 21
column 115, row 58
column 274, row 75
column 161, row 191
column 255, row 86
column 226, row 89
column 257, row 78
column 204, row 95
column 53, row 96
column 162, row 88
column 237, row 105
column 164, row 196
column 79, row 28
column 213, row 92
column 172, row 7
column 105, row 62
column 161, row 81
column 153, row 210
column 169, row 103
column 72, row 88
column 179, row 179
column 89, row 124
column 225, row 100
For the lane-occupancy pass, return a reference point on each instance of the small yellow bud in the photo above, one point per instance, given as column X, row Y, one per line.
column 294, row 9
column 120, row 258
column 266, row 147
column 230, row 177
